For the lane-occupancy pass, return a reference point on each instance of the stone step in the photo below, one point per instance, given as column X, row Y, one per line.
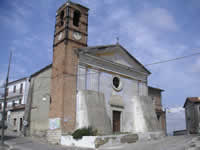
column 132, row 138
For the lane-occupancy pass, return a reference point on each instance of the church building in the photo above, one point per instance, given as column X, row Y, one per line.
column 101, row 86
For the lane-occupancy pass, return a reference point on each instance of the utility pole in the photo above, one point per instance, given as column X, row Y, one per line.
column 4, row 102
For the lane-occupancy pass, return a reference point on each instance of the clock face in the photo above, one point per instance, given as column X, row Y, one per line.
column 60, row 36
column 77, row 35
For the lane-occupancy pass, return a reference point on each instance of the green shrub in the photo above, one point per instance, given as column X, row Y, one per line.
column 79, row 133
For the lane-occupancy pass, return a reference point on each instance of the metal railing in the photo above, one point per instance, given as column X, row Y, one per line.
column 17, row 93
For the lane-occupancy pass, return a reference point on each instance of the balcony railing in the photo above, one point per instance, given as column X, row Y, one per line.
column 13, row 107
column 12, row 94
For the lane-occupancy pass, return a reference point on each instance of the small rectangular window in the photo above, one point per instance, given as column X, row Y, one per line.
column 13, row 104
column 15, row 122
column 62, row 18
column 21, row 87
column 76, row 18
column 20, row 101
column 158, row 116
column 14, row 89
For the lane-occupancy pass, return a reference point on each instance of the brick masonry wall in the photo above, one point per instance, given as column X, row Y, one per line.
column 64, row 70
column 69, row 96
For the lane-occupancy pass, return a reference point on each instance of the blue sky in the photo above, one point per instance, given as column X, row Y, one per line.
column 150, row 30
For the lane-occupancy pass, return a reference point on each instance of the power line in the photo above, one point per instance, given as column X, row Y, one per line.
column 159, row 62
column 174, row 59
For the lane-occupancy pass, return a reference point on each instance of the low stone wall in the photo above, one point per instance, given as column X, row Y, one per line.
column 150, row 136
column 180, row 132
column 54, row 136
column 87, row 141
column 97, row 141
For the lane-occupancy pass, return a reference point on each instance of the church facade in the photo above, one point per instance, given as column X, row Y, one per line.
column 102, row 86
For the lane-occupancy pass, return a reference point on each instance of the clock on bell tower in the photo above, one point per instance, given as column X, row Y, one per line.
column 71, row 25
column 71, row 32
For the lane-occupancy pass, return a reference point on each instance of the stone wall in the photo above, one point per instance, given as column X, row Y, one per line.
column 40, row 96
column 54, row 136
column 138, row 114
column 91, row 111
column 156, row 96
column 192, row 111
column 18, row 114
column 98, row 141
column 137, row 110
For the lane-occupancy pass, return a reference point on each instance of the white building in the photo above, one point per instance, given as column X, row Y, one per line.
column 17, row 93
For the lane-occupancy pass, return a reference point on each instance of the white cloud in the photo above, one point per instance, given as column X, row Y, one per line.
column 1, row 83
column 158, row 18
column 196, row 66
column 176, row 110
column 16, row 19
column 28, row 42
column 143, row 30
column 175, row 118
column 109, row 2
column 2, row 78
column 20, row 10
column 94, row 6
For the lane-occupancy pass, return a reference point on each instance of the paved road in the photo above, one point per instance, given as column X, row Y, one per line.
column 35, row 144
column 16, row 142
column 168, row 143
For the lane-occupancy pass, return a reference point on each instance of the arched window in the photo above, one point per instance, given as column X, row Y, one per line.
column 62, row 17
column 76, row 18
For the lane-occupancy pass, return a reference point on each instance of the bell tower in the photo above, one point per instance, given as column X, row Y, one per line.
column 71, row 32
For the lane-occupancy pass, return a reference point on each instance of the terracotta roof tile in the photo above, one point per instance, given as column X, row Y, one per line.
column 192, row 99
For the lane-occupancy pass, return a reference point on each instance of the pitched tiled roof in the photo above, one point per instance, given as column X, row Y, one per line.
column 41, row 70
column 24, row 78
column 96, row 49
column 156, row 88
column 193, row 100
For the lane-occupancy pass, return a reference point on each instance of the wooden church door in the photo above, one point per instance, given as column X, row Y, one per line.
column 116, row 121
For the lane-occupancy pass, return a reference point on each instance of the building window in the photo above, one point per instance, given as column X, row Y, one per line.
column 14, row 89
column 62, row 15
column 76, row 18
column 20, row 101
column 13, row 104
column 15, row 121
column 0, row 105
column 61, row 18
column 21, row 87
column 158, row 116
column 117, row 83
column 153, row 100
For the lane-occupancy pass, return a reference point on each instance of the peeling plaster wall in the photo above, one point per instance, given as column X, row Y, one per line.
column 19, row 114
column 40, row 95
column 137, row 115
column 91, row 111
column 192, row 111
